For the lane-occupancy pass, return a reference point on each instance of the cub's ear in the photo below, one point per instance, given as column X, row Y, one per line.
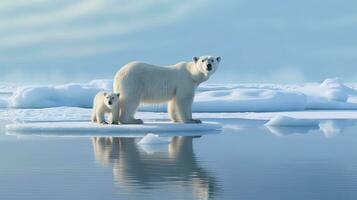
column 218, row 58
column 118, row 94
column 195, row 59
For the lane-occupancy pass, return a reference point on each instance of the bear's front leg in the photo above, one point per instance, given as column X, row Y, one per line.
column 128, row 107
column 171, row 109
column 184, row 109
column 101, row 118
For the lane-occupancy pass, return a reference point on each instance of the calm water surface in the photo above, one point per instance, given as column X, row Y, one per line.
column 244, row 161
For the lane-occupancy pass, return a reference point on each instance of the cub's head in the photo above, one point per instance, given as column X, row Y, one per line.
column 111, row 99
column 207, row 64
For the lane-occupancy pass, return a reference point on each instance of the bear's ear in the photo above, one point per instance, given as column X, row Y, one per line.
column 195, row 59
column 218, row 58
column 118, row 94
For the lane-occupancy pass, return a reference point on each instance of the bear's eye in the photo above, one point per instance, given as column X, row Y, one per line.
column 212, row 60
column 203, row 60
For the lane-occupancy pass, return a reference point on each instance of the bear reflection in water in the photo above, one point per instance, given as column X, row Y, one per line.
column 133, row 168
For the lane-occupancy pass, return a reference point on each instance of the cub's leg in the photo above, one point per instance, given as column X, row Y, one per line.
column 114, row 116
column 101, row 118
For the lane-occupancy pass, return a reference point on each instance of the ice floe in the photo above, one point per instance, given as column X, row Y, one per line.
column 90, row 129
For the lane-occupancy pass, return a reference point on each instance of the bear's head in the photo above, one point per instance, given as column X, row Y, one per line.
column 206, row 64
column 111, row 99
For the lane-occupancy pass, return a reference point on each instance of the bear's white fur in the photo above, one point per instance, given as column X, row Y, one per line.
column 105, row 102
column 139, row 82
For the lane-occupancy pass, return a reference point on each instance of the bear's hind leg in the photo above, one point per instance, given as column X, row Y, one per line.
column 128, row 107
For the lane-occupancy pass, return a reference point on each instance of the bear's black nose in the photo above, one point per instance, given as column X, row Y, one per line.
column 110, row 103
column 209, row 67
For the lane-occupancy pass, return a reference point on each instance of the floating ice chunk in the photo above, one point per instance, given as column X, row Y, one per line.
column 289, row 121
column 150, row 139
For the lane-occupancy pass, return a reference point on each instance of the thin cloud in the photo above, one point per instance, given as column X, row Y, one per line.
column 125, row 20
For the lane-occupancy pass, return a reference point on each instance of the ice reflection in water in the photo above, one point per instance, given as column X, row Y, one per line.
column 329, row 128
column 134, row 168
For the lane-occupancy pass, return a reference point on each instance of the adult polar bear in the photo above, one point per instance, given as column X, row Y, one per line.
column 139, row 82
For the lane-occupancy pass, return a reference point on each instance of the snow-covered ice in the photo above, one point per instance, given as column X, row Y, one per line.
column 90, row 129
column 331, row 94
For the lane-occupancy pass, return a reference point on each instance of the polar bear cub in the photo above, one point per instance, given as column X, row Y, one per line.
column 105, row 102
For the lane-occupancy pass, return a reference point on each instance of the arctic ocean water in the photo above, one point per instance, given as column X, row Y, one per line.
column 246, row 160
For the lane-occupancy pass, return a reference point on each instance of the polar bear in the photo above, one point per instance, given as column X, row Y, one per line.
column 105, row 102
column 139, row 82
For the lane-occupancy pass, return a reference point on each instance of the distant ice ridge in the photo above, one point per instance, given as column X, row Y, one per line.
column 331, row 94
column 72, row 94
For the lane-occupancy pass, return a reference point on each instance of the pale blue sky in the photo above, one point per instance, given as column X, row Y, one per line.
column 271, row 41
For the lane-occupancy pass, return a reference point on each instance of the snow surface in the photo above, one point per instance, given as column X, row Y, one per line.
column 89, row 128
column 331, row 94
